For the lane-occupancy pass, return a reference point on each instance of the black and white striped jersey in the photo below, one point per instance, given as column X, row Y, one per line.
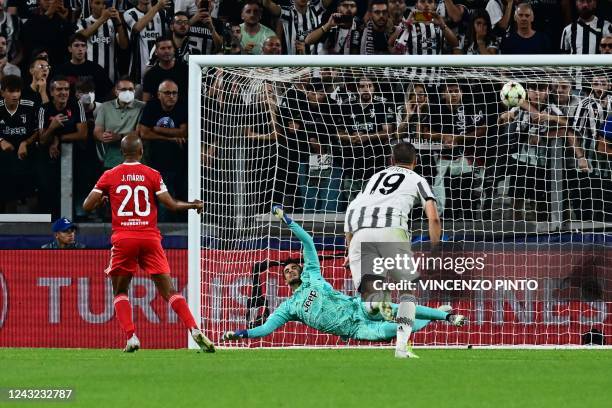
column 387, row 200
column 201, row 39
column 584, row 37
column 420, row 39
column 340, row 40
column 587, row 122
column 120, row 5
column 143, row 42
column 101, row 45
column 296, row 26
column 533, row 143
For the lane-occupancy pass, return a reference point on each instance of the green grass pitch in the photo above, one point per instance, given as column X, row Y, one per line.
column 314, row 378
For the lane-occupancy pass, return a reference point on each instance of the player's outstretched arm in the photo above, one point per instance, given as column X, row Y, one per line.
column 275, row 320
column 311, row 258
column 177, row 205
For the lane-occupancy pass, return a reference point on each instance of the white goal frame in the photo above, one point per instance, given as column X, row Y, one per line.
column 198, row 62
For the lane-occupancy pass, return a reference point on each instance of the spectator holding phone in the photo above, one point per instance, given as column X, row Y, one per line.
column 145, row 24
column 205, row 32
column 342, row 32
column 104, row 30
column 423, row 33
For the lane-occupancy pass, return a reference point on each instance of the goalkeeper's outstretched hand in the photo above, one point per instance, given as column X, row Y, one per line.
column 237, row 335
column 279, row 213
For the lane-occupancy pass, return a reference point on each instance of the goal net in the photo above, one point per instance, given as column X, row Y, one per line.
column 528, row 189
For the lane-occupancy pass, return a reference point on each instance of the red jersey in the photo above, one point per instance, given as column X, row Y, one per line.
column 131, row 188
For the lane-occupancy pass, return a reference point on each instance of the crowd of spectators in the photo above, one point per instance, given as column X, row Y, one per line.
column 325, row 133
column 88, row 72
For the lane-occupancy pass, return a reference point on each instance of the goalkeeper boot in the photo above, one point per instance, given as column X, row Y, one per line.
column 456, row 319
column 279, row 213
column 407, row 352
column 202, row 341
column 132, row 345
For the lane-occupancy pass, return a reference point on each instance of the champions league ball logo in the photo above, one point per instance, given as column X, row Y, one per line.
column 166, row 122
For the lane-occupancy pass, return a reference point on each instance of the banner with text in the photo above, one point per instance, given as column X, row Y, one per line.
column 54, row 298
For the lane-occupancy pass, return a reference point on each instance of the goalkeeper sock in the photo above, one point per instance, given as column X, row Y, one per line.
column 419, row 324
column 428, row 313
column 179, row 305
column 405, row 319
column 123, row 311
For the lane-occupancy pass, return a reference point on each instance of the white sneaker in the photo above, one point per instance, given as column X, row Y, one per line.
column 406, row 353
column 201, row 340
column 457, row 320
column 132, row 345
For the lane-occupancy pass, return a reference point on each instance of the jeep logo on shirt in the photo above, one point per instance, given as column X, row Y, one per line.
column 311, row 297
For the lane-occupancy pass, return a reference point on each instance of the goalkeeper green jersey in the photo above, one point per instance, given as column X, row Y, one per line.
column 315, row 303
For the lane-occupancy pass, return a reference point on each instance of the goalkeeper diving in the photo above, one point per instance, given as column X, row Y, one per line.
column 317, row 304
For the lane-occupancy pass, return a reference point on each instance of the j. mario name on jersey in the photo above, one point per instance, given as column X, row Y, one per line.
column 132, row 177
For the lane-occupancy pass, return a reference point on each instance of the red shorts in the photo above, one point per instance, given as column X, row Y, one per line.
column 127, row 254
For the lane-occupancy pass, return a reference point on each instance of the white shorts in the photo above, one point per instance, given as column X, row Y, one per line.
column 396, row 241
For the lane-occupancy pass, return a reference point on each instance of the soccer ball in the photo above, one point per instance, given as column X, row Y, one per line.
column 512, row 94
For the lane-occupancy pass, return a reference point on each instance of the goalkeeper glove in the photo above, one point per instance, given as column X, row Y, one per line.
column 237, row 335
column 279, row 213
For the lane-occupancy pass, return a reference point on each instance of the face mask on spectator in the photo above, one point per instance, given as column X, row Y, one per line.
column 88, row 98
column 126, row 96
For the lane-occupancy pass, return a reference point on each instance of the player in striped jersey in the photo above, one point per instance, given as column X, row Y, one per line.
column 379, row 216
column 145, row 23
column 104, row 30
column 583, row 35
column 296, row 22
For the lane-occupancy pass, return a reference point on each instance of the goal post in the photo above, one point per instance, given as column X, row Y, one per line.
column 269, row 130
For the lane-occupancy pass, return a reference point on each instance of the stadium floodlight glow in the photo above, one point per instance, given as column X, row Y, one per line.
column 524, row 177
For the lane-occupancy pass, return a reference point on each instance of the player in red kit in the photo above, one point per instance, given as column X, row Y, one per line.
column 131, row 188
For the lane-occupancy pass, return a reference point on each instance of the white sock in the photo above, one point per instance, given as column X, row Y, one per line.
column 406, row 313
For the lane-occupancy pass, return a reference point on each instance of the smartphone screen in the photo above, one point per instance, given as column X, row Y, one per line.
column 345, row 19
column 422, row 16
